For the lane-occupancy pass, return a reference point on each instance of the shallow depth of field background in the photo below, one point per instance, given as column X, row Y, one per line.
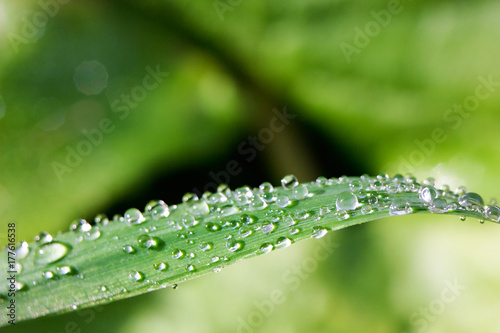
column 368, row 88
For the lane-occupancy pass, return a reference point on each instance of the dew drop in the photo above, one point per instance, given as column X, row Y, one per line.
column 245, row 231
column 393, row 188
column 134, row 216
column 265, row 248
column 51, row 252
column 199, row 208
column 463, row 218
column 43, row 238
column 429, row 181
column 321, row 181
column 160, row 266
column 283, row 242
column 355, row 186
column 189, row 221
column 471, row 200
column 103, row 288
column 233, row 245
column 346, row 201
column 268, row 227
column 177, row 253
column 190, row 268
column 302, row 214
column 383, row 177
column 246, row 219
column 289, row 182
column 92, row 235
column 266, row 187
column 400, row 206
column 158, row 209
column 217, row 269
column 282, row 201
column 318, row 232
column 427, row 194
column 438, row 205
column 229, row 210
column 492, row 213
column 48, row 275
column 67, row 270
column 136, row 276
column 22, row 250
column 212, row 226
column 101, row 219
column 299, row 192
column 129, row 249
column 189, row 197
column 149, row 242
column 366, row 209
column 20, row 286
column 80, row 225
column 323, row 210
column 206, row 246
column 257, row 203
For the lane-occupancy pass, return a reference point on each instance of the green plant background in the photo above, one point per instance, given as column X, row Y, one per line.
column 225, row 78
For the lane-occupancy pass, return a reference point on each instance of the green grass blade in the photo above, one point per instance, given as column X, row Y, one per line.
column 163, row 246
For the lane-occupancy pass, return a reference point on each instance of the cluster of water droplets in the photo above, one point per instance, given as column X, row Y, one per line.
column 211, row 229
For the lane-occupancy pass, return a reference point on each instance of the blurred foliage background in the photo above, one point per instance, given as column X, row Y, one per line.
column 383, row 86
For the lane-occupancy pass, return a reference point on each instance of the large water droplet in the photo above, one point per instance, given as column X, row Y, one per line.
column 149, row 242
column 20, row 286
column 158, row 209
column 427, row 194
column 43, row 238
column 189, row 221
column 346, row 201
column 134, row 216
column 471, row 200
column 136, row 276
column 177, row 253
column 266, row 187
column 206, row 246
column 355, row 186
column 400, row 206
column 101, row 219
column 319, row 232
column 283, row 242
column 257, row 203
column 48, row 275
column 245, row 231
column 282, row 201
column 51, row 252
column 229, row 210
column 199, row 208
column 22, row 250
column 299, row 192
column 92, row 235
column 160, row 266
column 80, row 225
column 268, row 227
column 438, row 205
column 128, row 249
column 233, row 245
column 492, row 213
column 265, row 248
column 67, row 270
column 289, row 182
column 213, row 226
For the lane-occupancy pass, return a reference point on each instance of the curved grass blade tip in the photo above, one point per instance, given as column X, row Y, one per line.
column 164, row 245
